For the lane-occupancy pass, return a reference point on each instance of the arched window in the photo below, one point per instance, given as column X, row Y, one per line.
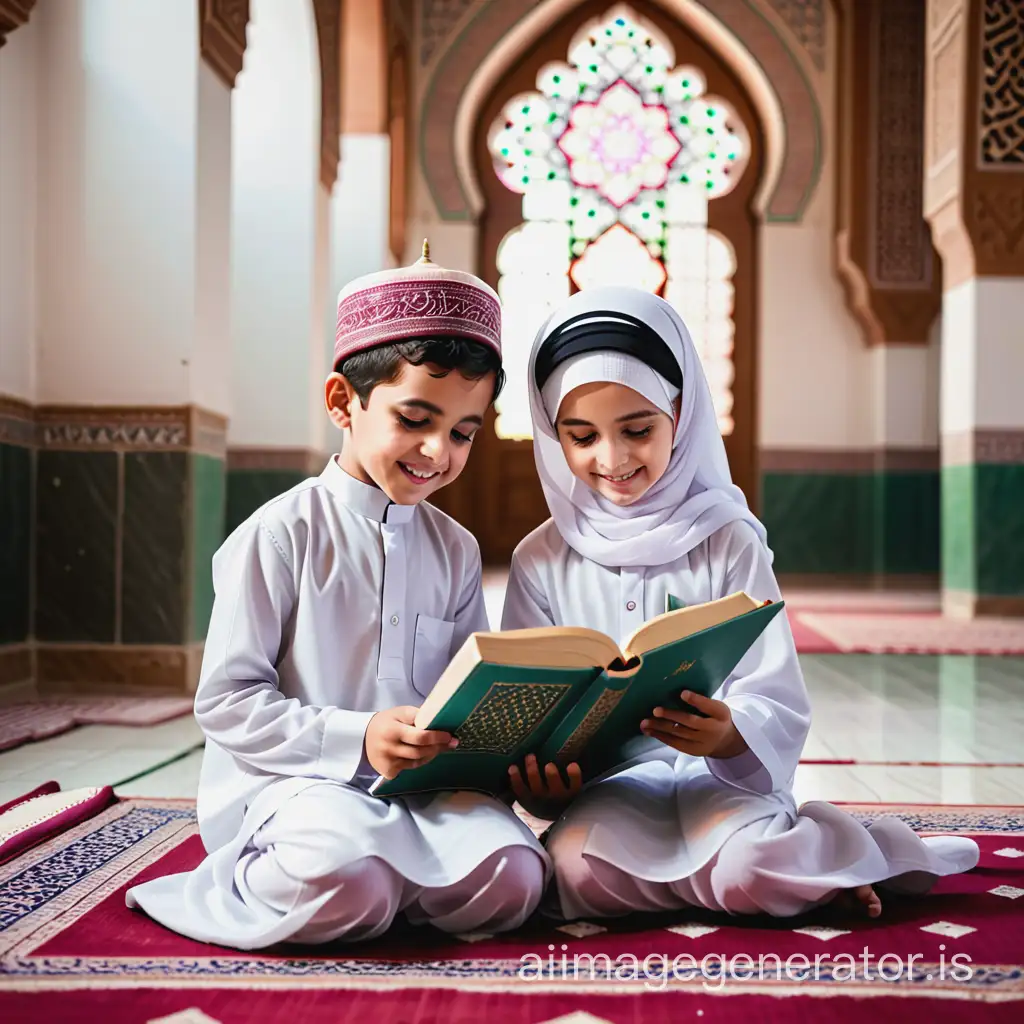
column 617, row 154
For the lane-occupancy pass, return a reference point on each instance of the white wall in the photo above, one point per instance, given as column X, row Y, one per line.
column 983, row 355
column 360, row 212
column 210, row 376
column 275, row 176
column 19, row 110
column 906, row 386
column 816, row 372
column 131, row 175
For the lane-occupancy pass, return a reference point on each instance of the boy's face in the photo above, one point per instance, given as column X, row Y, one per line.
column 414, row 435
column 614, row 440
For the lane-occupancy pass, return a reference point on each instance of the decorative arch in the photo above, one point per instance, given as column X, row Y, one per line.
column 548, row 226
column 398, row 133
column 13, row 14
column 328, row 32
column 736, row 29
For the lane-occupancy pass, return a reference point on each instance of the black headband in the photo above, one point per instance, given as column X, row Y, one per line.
column 633, row 337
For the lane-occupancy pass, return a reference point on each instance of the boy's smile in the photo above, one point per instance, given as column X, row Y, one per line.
column 415, row 434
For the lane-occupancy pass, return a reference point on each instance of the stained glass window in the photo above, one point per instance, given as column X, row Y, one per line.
column 617, row 154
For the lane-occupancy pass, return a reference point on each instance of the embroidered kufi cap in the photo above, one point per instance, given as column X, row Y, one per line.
column 423, row 300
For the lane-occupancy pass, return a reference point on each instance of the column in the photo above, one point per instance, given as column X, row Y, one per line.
column 891, row 277
column 361, row 223
column 974, row 200
column 19, row 101
column 132, row 361
column 281, row 181
column 280, row 253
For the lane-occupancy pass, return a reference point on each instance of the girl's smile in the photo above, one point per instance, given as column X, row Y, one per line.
column 614, row 440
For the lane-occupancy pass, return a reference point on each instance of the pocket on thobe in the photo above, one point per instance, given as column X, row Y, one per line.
column 431, row 651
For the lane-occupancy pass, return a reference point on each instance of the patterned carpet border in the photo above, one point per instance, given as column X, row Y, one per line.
column 988, row 983
column 47, row 890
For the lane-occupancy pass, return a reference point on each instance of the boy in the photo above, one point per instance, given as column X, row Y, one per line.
column 338, row 605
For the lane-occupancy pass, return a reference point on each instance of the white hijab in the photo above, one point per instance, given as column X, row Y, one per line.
column 695, row 496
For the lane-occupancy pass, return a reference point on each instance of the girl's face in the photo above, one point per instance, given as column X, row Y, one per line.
column 614, row 440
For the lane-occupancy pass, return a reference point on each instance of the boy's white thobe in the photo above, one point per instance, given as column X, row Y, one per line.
column 332, row 603
column 680, row 830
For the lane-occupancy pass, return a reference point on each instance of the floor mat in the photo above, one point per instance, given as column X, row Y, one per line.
column 68, row 945
column 39, row 720
column 906, row 633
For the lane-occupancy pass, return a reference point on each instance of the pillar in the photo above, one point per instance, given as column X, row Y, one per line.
column 974, row 200
column 281, row 180
column 19, row 102
column 361, row 213
column 891, row 277
column 132, row 359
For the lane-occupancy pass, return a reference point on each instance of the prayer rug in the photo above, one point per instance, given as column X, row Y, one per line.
column 70, row 949
column 39, row 720
column 45, row 812
column 904, row 633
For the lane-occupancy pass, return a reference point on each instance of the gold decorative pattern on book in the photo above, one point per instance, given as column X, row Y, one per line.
column 506, row 715
column 684, row 666
column 593, row 721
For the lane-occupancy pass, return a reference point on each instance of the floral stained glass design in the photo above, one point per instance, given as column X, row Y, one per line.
column 616, row 155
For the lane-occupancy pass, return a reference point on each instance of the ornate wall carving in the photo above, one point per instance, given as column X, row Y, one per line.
column 328, row 31
column 806, row 19
column 1001, row 131
column 438, row 19
column 941, row 10
column 948, row 63
column 13, row 13
column 996, row 222
column 455, row 67
column 885, row 257
column 398, row 132
column 222, row 25
column 902, row 251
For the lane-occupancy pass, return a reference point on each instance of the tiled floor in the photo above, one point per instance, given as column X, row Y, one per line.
column 962, row 717
column 889, row 728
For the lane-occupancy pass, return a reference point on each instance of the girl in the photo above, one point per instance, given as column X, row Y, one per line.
column 642, row 503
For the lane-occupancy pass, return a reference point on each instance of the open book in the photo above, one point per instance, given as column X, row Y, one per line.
column 571, row 694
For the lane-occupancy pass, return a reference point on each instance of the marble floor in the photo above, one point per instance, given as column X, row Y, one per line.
column 890, row 728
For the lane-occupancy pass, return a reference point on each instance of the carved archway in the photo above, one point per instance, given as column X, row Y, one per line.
column 502, row 501
column 735, row 29
column 222, row 42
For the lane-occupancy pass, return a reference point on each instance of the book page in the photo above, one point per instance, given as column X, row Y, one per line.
column 671, row 626
column 543, row 647
column 548, row 647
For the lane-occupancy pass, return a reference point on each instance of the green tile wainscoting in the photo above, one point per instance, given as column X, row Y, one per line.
column 865, row 515
column 17, row 470
column 258, row 475
column 983, row 522
column 128, row 507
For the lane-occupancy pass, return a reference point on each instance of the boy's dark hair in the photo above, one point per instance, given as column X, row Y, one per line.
column 383, row 364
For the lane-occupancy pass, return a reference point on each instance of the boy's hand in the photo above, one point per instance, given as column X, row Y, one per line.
column 393, row 743
column 714, row 736
column 545, row 795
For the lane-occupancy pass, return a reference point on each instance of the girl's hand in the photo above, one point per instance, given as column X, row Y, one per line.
column 714, row 736
column 545, row 796
column 393, row 743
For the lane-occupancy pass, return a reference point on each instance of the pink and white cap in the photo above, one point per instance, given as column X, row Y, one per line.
column 423, row 300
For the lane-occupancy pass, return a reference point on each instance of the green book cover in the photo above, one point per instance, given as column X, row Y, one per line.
column 502, row 712
column 601, row 730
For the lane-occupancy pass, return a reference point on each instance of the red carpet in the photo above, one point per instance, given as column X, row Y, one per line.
column 70, row 949
column 901, row 632
column 23, row 723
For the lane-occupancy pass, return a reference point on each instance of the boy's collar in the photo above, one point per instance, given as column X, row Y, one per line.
column 364, row 499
